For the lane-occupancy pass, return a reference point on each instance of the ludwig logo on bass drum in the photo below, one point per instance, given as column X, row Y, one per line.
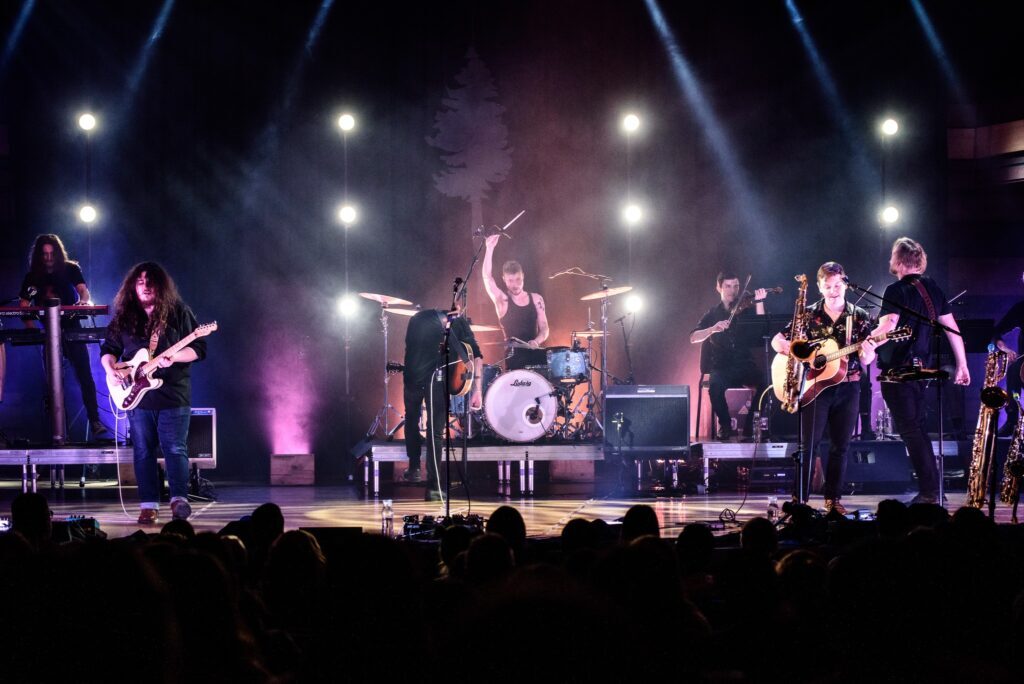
column 522, row 383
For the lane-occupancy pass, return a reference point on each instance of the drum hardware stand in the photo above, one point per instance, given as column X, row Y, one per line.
column 380, row 421
column 621, row 320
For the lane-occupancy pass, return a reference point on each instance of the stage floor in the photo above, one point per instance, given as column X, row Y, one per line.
column 347, row 506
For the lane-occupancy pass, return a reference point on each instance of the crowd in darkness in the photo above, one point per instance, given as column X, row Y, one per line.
column 916, row 595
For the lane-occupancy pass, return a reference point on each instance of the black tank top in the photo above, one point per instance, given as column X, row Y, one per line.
column 520, row 321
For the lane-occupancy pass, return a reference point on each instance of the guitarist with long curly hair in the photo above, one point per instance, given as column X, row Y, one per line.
column 150, row 317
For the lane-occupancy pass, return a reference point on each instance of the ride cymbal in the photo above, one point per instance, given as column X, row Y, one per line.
column 610, row 292
column 386, row 300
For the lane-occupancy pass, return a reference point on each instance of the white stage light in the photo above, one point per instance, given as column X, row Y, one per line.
column 87, row 122
column 890, row 215
column 347, row 214
column 348, row 306
column 87, row 213
column 632, row 214
column 630, row 123
column 890, row 127
column 346, row 122
column 634, row 303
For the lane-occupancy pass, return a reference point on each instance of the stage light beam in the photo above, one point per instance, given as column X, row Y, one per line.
column 890, row 127
column 346, row 122
column 890, row 215
column 87, row 214
column 347, row 214
column 87, row 122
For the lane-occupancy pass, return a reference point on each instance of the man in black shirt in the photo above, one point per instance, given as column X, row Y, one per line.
column 51, row 275
column 835, row 408
column 149, row 314
column 1014, row 318
column 905, row 400
column 720, row 357
column 521, row 314
column 424, row 375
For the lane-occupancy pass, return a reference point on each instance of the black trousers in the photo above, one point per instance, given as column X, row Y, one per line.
column 906, row 403
column 835, row 410
column 719, row 380
column 432, row 394
column 77, row 354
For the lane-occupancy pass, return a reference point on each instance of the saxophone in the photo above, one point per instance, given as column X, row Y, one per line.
column 1013, row 469
column 794, row 380
column 993, row 398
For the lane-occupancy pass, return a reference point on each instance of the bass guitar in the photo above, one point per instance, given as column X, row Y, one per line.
column 136, row 378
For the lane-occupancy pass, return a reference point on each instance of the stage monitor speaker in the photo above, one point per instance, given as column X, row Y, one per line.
column 648, row 420
column 202, row 438
column 877, row 467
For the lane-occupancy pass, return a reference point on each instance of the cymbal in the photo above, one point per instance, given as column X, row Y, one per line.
column 587, row 333
column 610, row 292
column 386, row 300
column 404, row 312
column 483, row 328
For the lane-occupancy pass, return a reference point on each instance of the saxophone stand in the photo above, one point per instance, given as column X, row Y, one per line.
column 800, row 487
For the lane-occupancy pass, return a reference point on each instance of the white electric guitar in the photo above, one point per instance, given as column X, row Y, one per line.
column 137, row 376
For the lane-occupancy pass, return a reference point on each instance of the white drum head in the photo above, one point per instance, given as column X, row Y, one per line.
column 520, row 406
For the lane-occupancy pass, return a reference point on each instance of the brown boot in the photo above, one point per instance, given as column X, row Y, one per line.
column 834, row 505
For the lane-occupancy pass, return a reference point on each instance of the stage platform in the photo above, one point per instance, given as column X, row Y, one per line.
column 346, row 506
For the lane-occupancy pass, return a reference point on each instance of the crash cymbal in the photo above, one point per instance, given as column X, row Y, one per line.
column 587, row 333
column 610, row 292
column 404, row 312
column 483, row 328
column 386, row 300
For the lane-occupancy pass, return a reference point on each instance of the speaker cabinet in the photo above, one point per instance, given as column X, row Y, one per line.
column 648, row 420
column 202, row 438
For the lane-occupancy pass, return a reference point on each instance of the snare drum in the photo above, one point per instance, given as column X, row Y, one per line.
column 567, row 365
column 520, row 406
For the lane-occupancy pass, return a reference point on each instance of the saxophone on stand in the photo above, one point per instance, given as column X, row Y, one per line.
column 1013, row 468
column 788, row 369
column 993, row 398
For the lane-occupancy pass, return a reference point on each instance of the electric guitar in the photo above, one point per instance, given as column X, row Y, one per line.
column 128, row 389
column 828, row 365
column 460, row 373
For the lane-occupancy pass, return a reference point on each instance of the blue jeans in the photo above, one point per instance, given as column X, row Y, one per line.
column 168, row 429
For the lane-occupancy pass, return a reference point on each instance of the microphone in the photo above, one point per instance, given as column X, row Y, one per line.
column 31, row 292
column 623, row 317
column 849, row 283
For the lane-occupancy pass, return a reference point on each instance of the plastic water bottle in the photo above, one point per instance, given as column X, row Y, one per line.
column 387, row 518
column 773, row 509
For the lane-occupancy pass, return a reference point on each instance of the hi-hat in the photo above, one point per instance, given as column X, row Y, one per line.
column 611, row 292
column 587, row 333
column 404, row 312
column 483, row 328
column 386, row 300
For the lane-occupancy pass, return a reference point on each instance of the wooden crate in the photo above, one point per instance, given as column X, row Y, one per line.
column 571, row 471
column 292, row 469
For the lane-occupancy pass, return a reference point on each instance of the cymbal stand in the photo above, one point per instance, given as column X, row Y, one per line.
column 591, row 426
column 380, row 421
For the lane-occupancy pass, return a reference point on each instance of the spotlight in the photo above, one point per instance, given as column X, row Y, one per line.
column 634, row 303
column 348, row 306
column 890, row 127
column 890, row 215
column 87, row 122
column 346, row 122
column 632, row 214
column 87, row 213
column 630, row 123
column 347, row 214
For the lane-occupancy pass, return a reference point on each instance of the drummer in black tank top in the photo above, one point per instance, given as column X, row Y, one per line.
column 521, row 313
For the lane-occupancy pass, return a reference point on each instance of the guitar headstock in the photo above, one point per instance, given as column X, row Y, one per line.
column 902, row 333
column 393, row 367
column 205, row 329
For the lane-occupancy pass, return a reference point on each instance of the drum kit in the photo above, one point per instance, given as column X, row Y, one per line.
column 526, row 404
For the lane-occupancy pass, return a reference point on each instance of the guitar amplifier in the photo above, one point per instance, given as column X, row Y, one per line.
column 647, row 420
column 202, row 438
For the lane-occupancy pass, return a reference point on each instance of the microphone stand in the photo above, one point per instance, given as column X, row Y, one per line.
column 630, row 380
column 936, row 328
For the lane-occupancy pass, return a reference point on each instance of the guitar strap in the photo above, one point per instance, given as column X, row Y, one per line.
column 923, row 291
column 153, row 339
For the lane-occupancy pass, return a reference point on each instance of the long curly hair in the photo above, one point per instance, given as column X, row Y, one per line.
column 129, row 316
column 60, row 254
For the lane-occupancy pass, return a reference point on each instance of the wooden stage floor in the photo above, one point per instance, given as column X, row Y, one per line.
column 346, row 506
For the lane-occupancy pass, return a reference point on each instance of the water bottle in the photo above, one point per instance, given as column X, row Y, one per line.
column 773, row 509
column 387, row 518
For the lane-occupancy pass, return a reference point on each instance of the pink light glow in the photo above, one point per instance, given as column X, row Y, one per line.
column 288, row 397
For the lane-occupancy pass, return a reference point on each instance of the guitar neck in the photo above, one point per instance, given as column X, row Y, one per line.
column 840, row 353
column 170, row 351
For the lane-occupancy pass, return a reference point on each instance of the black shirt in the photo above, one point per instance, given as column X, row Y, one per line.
column 821, row 326
column 721, row 351
column 895, row 354
column 1014, row 318
column 423, row 342
column 61, row 284
column 520, row 321
column 177, row 388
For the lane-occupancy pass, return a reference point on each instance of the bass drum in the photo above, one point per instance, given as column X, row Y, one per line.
column 520, row 406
